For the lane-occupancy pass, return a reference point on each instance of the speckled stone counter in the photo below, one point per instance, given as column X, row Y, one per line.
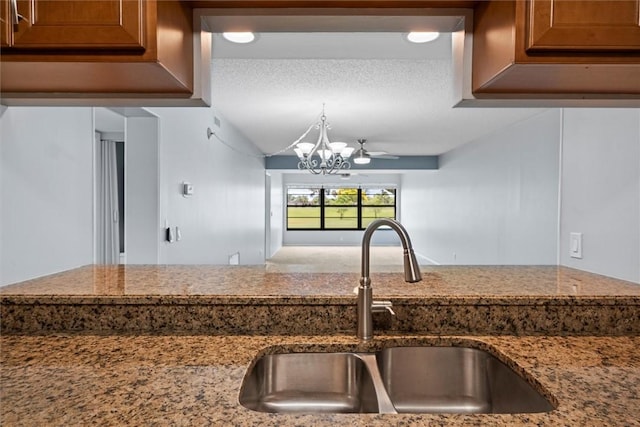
column 513, row 300
column 195, row 380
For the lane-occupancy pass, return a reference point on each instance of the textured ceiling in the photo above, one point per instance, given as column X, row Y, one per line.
column 374, row 85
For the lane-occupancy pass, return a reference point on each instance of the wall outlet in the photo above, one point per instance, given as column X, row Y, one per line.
column 234, row 259
column 575, row 245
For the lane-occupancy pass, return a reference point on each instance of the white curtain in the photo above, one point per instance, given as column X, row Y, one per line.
column 108, row 215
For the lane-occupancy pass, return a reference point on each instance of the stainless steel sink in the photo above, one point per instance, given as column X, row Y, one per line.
column 394, row 380
column 309, row 382
column 455, row 380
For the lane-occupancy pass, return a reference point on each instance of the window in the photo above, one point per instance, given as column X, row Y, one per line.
column 303, row 208
column 341, row 209
column 338, row 208
column 378, row 203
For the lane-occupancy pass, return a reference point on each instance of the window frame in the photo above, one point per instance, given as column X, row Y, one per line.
column 315, row 206
column 322, row 206
column 362, row 205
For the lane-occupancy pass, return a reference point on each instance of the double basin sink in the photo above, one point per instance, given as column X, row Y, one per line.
column 393, row 380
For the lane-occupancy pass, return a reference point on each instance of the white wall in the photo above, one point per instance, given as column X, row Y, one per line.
column 226, row 213
column 492, row 201
column 601, row 190
column 46, row 170
column 46, row 192
column 142, row 195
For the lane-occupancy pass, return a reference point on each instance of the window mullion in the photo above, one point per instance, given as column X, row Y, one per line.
column 322, row 208
column 359, row 208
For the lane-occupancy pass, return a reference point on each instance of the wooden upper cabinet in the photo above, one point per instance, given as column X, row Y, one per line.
column 4, row 24
column 551, row 49
column 83, row 52
column 83, row 24
column 583, row 25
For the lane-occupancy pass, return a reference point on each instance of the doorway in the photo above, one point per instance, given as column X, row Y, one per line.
column 109, row 186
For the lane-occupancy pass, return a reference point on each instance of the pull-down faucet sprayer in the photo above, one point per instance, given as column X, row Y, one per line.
column 366, row 304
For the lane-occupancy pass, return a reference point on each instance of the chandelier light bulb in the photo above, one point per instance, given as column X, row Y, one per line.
column 346, row 152
column 337, row 147
column 305, row 147
column 324, row 154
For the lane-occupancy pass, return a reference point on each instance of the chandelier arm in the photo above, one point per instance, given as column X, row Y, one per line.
column 305, row 166
column 313, row 167
column 336, row 164
column 318, row 144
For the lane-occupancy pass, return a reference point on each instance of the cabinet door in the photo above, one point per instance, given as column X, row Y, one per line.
column 66, row 24
column 583, row 25
column 5, row 24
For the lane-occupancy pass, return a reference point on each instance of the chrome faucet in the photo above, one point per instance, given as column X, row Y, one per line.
column 366, row 304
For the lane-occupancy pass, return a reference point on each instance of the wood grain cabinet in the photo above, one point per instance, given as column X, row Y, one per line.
column 575, row 49
column 95, row 24
column 583, row 26
column 5, row 24
column 97, row 49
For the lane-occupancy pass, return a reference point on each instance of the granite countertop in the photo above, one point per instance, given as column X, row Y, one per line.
column 169, row 345
column 140, row 284
column 451, row 300
column 195, row 380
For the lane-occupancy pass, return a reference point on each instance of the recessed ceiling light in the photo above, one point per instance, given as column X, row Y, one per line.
column 239, row 37
column 422, row 37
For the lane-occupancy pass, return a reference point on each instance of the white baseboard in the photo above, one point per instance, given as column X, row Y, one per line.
column 426, row 258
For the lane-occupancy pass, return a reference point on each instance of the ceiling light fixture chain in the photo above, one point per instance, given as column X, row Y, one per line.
column 211, row 133
column 294, row 143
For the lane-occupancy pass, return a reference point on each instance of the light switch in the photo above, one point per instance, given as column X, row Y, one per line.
column 575, row 245
column 187, row 189
column 168, row 235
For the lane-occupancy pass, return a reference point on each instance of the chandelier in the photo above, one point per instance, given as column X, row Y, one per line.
column 323, row 157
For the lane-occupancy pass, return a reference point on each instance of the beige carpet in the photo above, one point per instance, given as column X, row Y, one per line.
column 342, row 259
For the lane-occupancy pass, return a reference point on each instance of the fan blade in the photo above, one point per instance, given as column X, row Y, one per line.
column 384, row 156
column 374, row 154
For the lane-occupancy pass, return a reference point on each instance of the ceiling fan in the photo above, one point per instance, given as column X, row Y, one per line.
column 363, row 156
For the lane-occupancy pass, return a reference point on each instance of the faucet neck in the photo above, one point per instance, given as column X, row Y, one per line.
column 365, row 293
column 411, row 269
